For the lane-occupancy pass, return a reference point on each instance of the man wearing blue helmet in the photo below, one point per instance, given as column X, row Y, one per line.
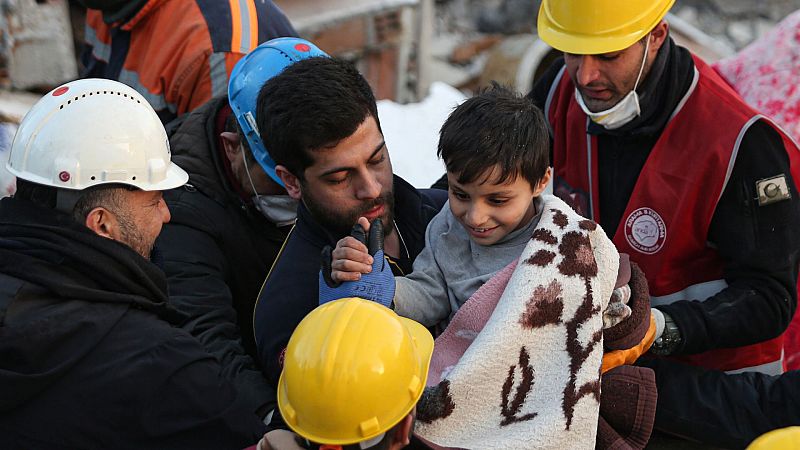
column 230, row 220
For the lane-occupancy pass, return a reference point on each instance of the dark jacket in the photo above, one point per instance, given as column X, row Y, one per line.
column 89, row 356
column 759, row 244
column 723, row 410
column 291, row 290
column 217, row 251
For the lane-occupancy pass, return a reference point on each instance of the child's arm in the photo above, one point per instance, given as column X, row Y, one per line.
column 422, row 295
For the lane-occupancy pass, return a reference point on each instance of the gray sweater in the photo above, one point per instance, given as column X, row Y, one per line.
column 452, row 267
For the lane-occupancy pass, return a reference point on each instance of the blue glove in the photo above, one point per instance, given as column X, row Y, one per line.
column 377, row 285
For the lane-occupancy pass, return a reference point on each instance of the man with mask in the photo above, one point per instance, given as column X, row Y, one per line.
column 90, row 352
column 178, row 54
column 697, row 187
column 231, row 219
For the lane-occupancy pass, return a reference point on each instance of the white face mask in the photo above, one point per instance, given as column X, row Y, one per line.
column 624, row 111
column 278, row 209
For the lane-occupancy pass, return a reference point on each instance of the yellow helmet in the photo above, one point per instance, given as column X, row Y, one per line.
column 352, row 370
column 591, row 27
column 783, row 439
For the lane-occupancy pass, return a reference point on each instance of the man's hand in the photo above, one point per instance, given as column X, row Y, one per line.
column 612, row 359
column 350, row 272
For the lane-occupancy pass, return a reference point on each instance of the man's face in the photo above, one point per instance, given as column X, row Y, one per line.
column 141, row 222
column 349, row 180
column 603, row 80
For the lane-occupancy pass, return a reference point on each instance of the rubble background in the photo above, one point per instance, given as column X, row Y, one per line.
column 466, row 31
column 736, row 22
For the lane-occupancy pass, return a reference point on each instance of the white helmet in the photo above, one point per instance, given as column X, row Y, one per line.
column 90, row 132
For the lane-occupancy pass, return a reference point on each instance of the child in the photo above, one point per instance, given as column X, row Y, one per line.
column 495, row 147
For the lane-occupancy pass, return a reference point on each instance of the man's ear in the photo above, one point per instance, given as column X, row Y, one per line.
column 231, row 143
column 291, row 182
column 542, row 184
column 658, row 35
column 102, row 222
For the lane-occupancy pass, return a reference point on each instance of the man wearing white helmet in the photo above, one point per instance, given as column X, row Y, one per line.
column 696, row 186
column 90, row 356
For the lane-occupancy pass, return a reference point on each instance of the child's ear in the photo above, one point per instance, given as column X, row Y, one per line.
column 543, row 182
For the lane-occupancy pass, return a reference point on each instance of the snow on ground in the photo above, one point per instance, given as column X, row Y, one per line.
column 412, row 133
column 7, row 181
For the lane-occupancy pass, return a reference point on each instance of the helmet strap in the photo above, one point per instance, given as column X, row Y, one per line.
column 644, row 61
column 247, row 170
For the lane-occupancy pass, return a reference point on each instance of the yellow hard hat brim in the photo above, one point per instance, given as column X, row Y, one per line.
column 595, row 42
column 780, row 439
column 424, row 343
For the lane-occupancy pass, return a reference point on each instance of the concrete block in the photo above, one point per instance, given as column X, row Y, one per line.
column 42, row 54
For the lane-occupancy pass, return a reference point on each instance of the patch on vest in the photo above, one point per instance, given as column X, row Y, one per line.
column 772, row 190
column 645, row 231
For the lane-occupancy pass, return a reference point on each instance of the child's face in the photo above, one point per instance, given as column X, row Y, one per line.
column 488, row 211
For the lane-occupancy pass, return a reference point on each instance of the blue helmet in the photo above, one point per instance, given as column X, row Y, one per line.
column 249, row 75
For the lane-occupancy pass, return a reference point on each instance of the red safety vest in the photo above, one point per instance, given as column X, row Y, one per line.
column 665, row 224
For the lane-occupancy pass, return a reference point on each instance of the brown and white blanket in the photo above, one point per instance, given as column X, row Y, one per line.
column 519, row 365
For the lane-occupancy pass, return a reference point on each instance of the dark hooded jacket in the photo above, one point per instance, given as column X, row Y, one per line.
column 217, row 250
column 89, row 354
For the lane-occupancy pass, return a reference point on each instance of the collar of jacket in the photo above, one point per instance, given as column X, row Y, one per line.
column 662, row 90
column 134, row 12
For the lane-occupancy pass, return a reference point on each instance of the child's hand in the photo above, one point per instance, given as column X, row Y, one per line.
column 351, row 257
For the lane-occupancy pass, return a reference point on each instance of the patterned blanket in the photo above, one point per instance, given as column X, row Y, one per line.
column 519, row 364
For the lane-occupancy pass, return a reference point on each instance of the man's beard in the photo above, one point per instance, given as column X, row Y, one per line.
column 132, row 237
column 340, row 223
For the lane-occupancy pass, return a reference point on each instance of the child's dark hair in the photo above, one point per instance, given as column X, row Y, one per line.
column 312, row 104
column 500, row 128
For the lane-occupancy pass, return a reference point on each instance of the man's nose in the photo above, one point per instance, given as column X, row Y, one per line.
column 164, row 211
column 368, row 188
column 588, row 70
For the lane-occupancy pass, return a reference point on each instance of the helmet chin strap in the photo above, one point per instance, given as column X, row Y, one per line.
column 644, row 61
column 247, row 170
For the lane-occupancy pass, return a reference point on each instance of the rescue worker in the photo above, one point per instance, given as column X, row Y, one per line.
column 231, row 219
column 90, row 352
column 178, row 54
column 685, row 177
column 319, row 120
column 353, row 373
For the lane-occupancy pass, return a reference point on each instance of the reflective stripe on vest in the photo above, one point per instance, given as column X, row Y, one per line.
column 700, row 291
column 100, row 50
column 245, row 25
column 157, row 101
